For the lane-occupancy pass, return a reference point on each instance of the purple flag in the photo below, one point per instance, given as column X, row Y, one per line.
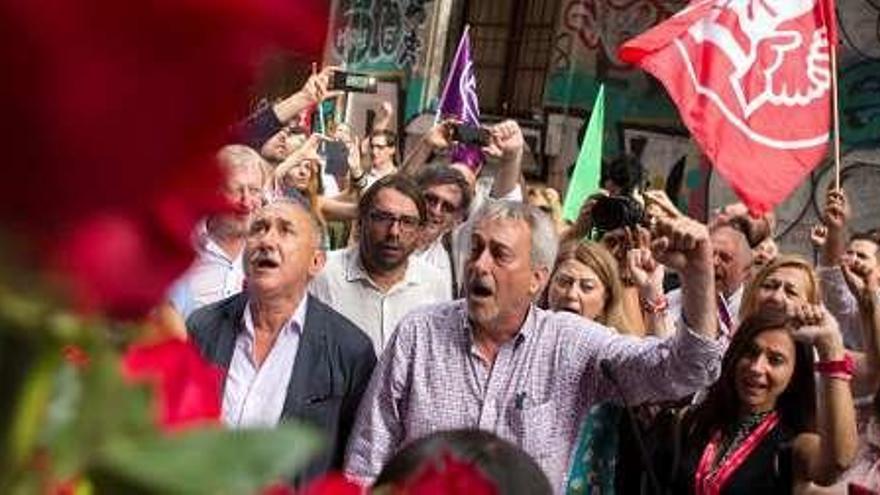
column 459, row 98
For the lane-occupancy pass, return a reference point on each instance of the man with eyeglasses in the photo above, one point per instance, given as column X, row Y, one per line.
column 217, row 272
column 383, row 153
column 377, row 282
column 447, row 197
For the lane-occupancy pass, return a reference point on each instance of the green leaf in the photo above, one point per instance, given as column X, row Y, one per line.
column 209, row 460
column 31, row 407
column 89, row 407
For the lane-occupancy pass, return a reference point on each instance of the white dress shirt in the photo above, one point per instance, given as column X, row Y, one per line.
column 345, row 286
column 253, row 396
column 212, row 277
column 730, row 304
column 437, row 256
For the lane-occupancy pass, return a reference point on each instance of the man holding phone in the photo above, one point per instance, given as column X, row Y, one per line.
column 443, row 246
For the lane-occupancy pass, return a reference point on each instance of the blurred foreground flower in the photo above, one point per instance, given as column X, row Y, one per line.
column 329, row 484
column 187, row 388
column 113, row 113
column 112, row 116
column 448, row 475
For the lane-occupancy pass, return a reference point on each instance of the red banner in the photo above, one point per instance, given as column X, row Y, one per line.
column 752, row 82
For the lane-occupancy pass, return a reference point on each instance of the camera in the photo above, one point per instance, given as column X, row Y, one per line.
column 470, row 135
column 353, row 82
column 613, row 212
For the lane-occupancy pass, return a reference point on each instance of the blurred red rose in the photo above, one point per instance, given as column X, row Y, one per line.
column 449, row 475
column 113, row 111
column 187, row 387
column 331, row 484
column 328, row 484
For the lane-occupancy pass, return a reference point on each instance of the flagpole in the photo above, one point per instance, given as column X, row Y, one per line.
column 464, row 33
column 835, row 109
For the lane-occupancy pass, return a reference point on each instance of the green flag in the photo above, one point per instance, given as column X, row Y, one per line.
column 585, row 179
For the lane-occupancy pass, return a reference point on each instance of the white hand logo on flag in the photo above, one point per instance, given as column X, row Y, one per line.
column 773, row 66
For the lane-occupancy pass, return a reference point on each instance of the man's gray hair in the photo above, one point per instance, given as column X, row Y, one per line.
column 315, row 223
column 545, row 242
column 239, row 156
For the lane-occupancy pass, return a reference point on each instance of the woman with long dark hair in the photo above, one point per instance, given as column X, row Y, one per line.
column 758, row 430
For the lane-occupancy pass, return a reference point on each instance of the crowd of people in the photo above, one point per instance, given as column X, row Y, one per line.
column 436, row 305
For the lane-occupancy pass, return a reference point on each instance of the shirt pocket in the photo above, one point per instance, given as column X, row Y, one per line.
column 537, row 428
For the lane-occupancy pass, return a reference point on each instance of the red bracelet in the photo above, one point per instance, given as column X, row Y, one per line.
column 838, row 376
column 658, row 305
column 845, row 366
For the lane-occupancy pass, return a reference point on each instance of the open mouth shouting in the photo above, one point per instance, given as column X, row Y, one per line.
column 264, row 260
column 480, row 289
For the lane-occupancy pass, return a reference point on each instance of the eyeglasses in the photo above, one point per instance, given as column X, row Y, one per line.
column 380, row 145
column 386, row 220
column 433, row 200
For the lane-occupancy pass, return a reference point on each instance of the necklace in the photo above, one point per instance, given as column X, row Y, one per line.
column 738, row 432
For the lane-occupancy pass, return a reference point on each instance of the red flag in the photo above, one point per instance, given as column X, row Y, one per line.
column 752, row 81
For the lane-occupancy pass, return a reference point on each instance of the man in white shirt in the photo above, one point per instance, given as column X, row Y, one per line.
column 217, row 271
column 448, row 199
column 377, row 282
column 382, row 152
column 286, row 355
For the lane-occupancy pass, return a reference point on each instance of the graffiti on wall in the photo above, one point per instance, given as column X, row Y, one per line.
column 583, row 58
column 375, row 33
column 584, row 53
column 602, row 25
column 859, row 28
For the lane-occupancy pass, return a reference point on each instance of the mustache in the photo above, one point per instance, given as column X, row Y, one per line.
column 479, row 286
column 387, row 244
column 265, row 256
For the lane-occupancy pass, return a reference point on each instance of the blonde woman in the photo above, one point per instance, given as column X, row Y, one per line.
column 586, row 281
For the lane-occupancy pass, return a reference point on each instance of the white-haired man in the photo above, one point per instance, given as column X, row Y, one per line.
column 217, row 272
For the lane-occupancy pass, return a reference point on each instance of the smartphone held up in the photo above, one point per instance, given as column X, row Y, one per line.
column 353, row 82
column 470, row 135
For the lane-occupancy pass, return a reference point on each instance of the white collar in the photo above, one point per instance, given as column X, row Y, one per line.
column 296, row 323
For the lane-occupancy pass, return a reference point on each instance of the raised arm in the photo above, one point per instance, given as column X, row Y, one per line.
column 313, row 91
column 832, row 245
column 647, row 275
column 438, row 138
column 690, row 359
column 835, row 217
column 262, row 125
column 309, row 150
column 822, row 456
column 506, row 144
column 864, row 283
column 682, row 244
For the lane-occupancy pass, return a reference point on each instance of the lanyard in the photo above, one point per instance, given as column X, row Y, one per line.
column 709, row 481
